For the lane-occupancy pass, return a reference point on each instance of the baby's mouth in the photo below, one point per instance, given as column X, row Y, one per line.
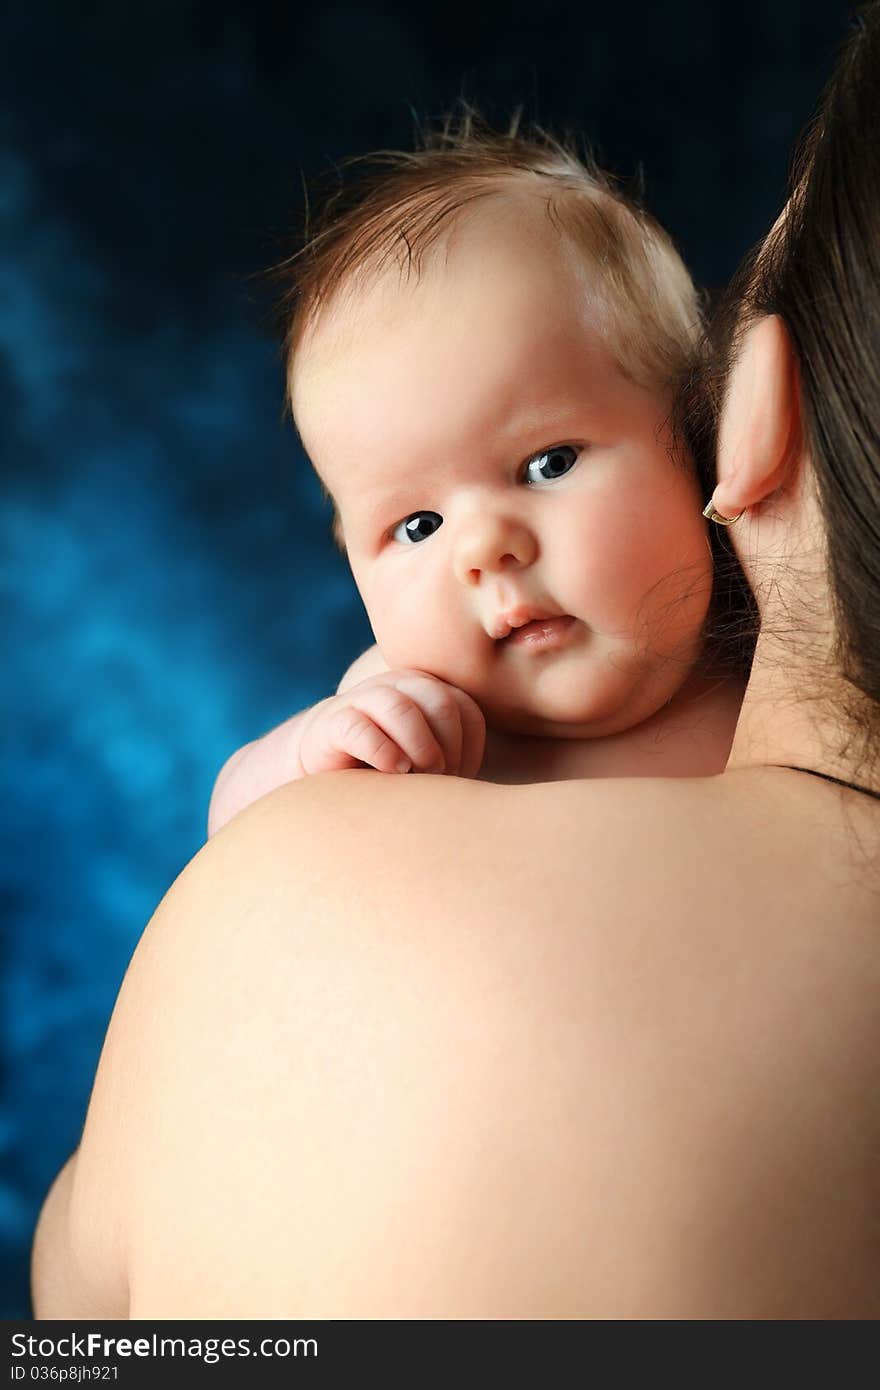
column 541, row 634
column 519, row 616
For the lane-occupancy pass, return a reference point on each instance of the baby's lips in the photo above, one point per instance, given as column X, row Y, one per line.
column 500, row 628
column 518, row 616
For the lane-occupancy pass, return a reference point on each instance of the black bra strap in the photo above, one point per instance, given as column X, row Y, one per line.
column 853, row 786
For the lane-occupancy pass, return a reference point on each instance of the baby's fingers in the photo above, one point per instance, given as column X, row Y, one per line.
column 455, row 719
column 439, row 707
column 404, row 722
column 348, row 737
column 473, row 735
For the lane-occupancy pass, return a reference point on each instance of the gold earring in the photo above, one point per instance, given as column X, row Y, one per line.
column 710, row 514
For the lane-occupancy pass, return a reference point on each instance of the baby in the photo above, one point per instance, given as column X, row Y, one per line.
column 482, row 356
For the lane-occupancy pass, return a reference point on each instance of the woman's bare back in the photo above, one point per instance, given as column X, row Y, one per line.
column 426, row 1047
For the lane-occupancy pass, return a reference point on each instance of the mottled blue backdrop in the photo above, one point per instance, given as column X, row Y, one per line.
column 169, row 589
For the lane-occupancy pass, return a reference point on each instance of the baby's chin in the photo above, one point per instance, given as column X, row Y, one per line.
column 569, row 708
column 577, row 722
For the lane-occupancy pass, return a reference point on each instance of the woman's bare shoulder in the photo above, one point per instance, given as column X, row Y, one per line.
column 400, row 1047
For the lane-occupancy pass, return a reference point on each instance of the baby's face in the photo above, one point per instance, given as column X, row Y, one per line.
column 492, row 467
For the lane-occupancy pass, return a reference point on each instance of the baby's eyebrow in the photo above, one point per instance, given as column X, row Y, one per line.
column 516, row 437
column 553, row 423
column 391, row 504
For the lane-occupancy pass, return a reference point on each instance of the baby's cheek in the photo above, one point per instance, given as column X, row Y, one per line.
column 609, row 567
column 417, row 632
column 639, row 550
column 407, row 627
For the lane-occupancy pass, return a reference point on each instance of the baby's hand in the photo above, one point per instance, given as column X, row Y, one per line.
column 397, row 721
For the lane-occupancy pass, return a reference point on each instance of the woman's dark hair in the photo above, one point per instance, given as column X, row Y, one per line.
column 819, row 270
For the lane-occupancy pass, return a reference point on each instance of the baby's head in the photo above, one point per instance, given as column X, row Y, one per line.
column 483, row 348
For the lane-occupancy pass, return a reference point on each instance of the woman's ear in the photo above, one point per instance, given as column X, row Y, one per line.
column 759, row 434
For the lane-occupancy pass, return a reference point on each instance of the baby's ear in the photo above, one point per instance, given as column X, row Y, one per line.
column 760, row 431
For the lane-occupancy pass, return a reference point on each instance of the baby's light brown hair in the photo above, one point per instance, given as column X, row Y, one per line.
column 396, row 206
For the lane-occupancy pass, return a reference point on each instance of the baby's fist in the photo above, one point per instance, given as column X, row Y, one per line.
column 397, row 721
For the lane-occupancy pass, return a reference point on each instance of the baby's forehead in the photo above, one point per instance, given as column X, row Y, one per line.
column 502, row 334
column 448, row 356
column 503, row 234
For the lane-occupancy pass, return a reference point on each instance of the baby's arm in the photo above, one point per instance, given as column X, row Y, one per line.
column 393, row 721
column 369, row 663
column 257, row 769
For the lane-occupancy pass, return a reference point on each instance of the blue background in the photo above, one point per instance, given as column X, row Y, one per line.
column 168, row 586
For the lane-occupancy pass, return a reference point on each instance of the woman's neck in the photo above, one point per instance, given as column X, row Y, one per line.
column 793, row 709
column 788, row 719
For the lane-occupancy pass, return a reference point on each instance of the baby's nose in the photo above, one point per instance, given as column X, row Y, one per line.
column 490, row 544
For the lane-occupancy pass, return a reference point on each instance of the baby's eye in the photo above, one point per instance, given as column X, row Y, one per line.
column 551, row 463
column 417, row 527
